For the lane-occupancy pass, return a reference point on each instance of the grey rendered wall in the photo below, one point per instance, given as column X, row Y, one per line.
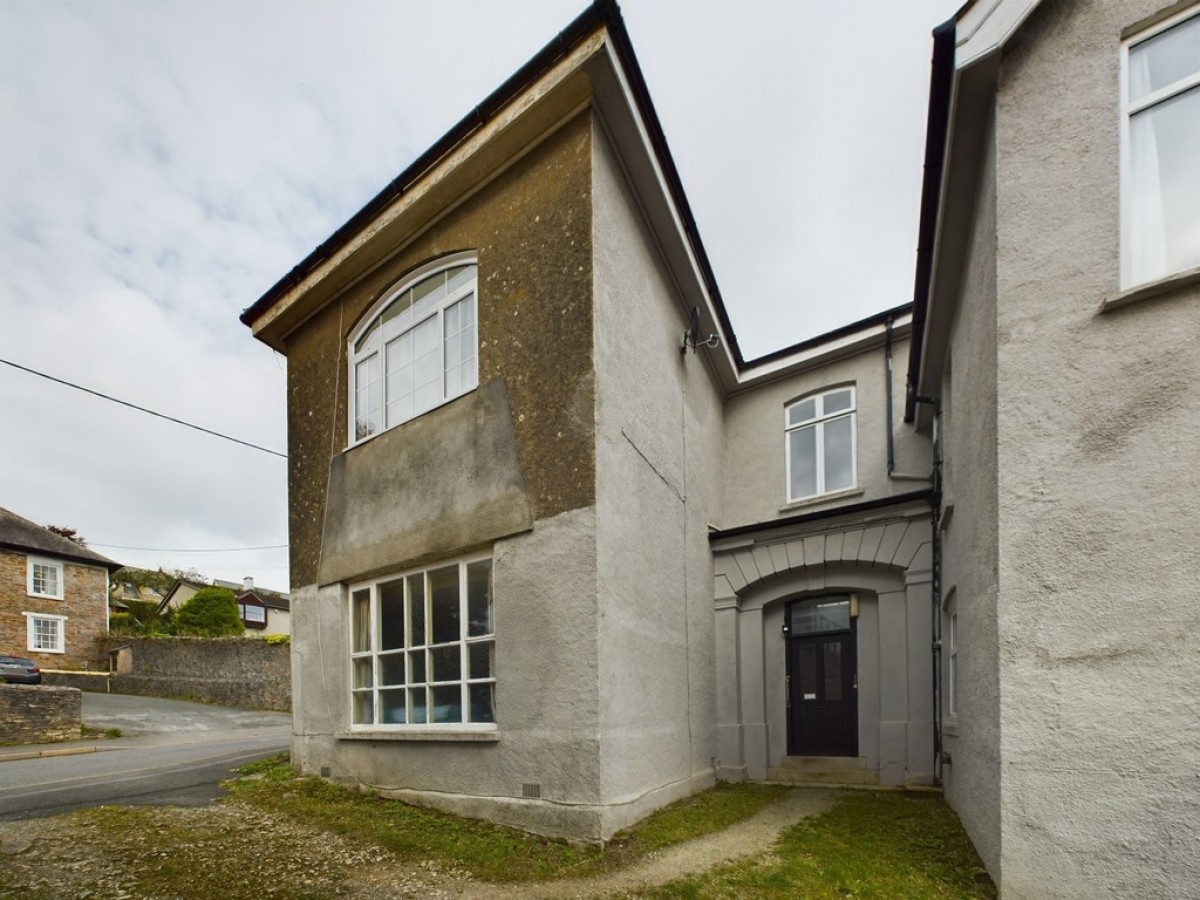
column 754, row 477
column 1099, row 459
column 969, row 548
column 658, row 450
column 884, row 557
column 546, row 696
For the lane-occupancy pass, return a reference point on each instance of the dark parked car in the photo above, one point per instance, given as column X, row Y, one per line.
column 19, row 670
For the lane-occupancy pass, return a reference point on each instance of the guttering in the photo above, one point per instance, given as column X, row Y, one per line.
column 833, row 513
column 937, row 129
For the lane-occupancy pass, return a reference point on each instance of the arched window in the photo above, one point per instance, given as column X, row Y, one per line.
column 820, row 438
column 416, row 349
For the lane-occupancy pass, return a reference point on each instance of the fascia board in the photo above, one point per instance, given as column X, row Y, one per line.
column 822, row 354
column 972, row 93
column 516, row 129
column 984, row 27
column 618, row 111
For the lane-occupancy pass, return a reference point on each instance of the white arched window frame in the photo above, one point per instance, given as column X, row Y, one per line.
column 416, row 349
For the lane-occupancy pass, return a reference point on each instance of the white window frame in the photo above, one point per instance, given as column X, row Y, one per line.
column 378, row 338
column 952, row 667
column 56, row 565
column 1128, row 112
column 32, row 618
column 818, row 422
column 373, row 655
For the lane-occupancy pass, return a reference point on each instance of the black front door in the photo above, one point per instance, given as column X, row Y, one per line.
column 822, row 682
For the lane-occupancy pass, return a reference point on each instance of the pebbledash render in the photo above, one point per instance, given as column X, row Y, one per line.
column 561, row 555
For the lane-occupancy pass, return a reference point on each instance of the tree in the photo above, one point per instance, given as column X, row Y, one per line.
column 69, row 533
column 159, row 580
column 212, row 612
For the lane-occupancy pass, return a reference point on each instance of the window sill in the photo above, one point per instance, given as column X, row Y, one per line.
column 424, row 734
column 821, row 498
column 45, row 597
column 1154, row 289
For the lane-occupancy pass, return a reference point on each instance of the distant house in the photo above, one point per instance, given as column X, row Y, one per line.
column 262, row 611
column 53, row 594
column 183, row 590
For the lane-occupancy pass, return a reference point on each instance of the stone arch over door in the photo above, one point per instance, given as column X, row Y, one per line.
column 886, row 562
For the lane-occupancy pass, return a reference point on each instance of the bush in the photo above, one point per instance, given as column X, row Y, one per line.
column 122, row 623
column 212, row 612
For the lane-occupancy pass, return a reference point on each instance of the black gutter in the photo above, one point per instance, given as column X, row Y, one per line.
column 941, row 82
column 835, row 512
column 881, row 318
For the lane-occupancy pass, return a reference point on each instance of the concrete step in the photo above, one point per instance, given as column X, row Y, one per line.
column 823, row 770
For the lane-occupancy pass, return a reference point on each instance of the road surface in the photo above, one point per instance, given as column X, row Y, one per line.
column 170, row 752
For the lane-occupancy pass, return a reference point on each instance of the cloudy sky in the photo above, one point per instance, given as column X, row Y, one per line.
column 164, row 163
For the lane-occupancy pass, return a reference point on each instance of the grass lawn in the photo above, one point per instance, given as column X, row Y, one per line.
column 279, row 836
column 870, row 845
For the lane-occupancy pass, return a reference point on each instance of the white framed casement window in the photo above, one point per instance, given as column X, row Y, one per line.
column 423, row 649
column 417, row 347
column 820, row 444
column 46, row 633
column 1160, row 150
column 45, row 578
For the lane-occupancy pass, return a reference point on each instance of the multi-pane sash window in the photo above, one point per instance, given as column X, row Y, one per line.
column 45, row 578
column 820, row 444
column 417, row 350
column 1161, row 144
column 423, row 648
column 46, row 634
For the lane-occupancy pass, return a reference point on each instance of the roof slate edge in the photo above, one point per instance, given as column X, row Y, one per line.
column 601, row 12
column 45, row 542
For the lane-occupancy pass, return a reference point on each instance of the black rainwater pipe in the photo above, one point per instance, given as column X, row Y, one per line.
column 935, row 587
column 892, row 474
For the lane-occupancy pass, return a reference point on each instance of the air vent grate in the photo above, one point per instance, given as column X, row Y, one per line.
column 531, row 791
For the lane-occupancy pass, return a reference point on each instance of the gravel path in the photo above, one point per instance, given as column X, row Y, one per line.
column 753, row 836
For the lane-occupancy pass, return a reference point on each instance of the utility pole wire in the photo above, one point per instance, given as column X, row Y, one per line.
column 142, row 409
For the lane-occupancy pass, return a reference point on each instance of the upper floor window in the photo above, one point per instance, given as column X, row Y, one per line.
column 417, row 348
column 820, row 438
column 1161, row 151
column 45, row 578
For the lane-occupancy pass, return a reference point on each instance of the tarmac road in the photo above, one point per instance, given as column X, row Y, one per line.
column 171, row 753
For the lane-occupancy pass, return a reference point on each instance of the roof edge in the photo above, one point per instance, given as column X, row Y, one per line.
column 584, row 24
column 937, row 129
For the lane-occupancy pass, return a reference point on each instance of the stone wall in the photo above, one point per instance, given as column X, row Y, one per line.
column 230, row 671
column 37, row 714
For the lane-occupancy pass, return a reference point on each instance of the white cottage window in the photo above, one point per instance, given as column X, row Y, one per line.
column 820, row 444
column 423, row 649
column 1160, row 159
column 46, row 633
column 45, row 578
column 416, row 349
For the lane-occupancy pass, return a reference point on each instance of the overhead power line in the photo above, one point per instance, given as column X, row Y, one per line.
column 188, row 549
column 151, row 412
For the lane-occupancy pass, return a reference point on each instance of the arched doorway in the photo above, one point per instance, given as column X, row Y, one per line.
column 822, row 675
